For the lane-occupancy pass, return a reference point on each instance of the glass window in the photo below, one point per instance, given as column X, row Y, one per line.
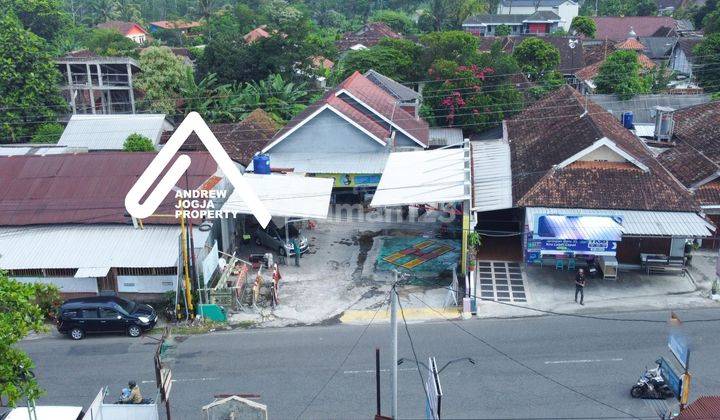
column 106, row 313
column 89, row 313
column 70, row 314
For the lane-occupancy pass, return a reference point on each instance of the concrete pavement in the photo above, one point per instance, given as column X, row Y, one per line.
column 593, row 359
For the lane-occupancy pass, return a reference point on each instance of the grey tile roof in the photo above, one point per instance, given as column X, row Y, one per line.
column 398, row 90
column 658, row 47
column 511, row 19
column 533, row 3
column 642, row 106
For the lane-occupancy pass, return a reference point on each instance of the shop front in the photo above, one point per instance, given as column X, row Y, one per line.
column 351, row 187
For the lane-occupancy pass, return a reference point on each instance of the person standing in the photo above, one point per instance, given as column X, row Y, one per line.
column 580, row 285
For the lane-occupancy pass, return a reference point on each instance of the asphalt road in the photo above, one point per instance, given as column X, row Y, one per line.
column 573, row 368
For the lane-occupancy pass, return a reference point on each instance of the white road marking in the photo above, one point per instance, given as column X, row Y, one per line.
column 557, row 362
column 350, row 372
column 185, row 380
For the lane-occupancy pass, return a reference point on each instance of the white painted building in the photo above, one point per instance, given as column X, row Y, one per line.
column 566, row 9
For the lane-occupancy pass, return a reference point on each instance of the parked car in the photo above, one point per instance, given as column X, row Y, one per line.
column 104, row 314
column 273, row 237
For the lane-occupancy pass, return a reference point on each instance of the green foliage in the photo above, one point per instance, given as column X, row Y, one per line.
column 584, row 25
column 45, row 18
column 47, row 133
column 711, row 22
column 138, row 143
column 502, row 30
column 458, row 46
column 400, row 22
column 559, row 32
column 47, row 297
column 395, row 58
column 536, row 57
column 161, row 79
column 450, row 14
column 28, row 93
column 620, row 74
column 621, row 8
column 110, row 43
column 19, row 315
column 708, row 62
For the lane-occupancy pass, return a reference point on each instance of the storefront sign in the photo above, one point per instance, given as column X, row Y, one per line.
column 535, row 247
column 672, row 378
column 679, row 347
column 353, row 180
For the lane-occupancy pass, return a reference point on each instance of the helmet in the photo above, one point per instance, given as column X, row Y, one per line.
column 132, row 384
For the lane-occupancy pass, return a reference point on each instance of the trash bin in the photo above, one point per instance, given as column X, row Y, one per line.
column 212, row 312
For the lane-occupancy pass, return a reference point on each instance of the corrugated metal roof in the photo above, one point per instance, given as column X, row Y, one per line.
column 286, row 195
column 38, row 150
column 88, row 247
column 492, row 175
column 643, row 106
column 329, row 163
column 442, row 136
column 108, row 132
column 636, row 223
column 428, row 176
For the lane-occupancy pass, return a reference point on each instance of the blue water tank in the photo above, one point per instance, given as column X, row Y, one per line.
column 261, row 164
column 627, row 119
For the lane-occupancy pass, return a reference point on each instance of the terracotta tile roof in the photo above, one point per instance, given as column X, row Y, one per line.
column 320, row 62
column 369, row 35
column 240, row 140
column 696, row 155
column 255, row 34
column 558, row 127
column 571, row 58
column 370, row 124
column 84, row 188
column 120, row 26
column 176, row 24
column 598, row 52
column 617, row 28
column 589, row 72
column 631, row 44
column 708, row 194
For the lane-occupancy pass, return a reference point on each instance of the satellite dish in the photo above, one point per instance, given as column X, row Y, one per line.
column 572, row 43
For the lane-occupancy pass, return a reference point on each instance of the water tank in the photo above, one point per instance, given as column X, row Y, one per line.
column 261, row 164
column 627, row 119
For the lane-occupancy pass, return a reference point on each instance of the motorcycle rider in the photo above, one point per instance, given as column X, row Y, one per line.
column 135, row 396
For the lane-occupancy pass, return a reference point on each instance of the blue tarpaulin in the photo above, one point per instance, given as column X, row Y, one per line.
column 590, row 228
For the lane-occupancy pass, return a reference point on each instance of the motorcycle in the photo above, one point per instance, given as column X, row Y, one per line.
column 651, row 385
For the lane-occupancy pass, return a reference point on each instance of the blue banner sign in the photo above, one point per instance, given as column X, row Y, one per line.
column 679, row 347
column 570, row 246
column 672, row 378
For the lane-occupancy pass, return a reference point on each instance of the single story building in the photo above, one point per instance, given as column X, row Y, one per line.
column 539, row 22
column 109, row 132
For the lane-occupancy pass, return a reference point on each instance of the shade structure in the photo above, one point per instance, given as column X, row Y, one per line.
column 419, row 177
column 285, row 196
column 92, row 272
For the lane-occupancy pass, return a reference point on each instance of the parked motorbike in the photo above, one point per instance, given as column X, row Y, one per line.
column 651, row 385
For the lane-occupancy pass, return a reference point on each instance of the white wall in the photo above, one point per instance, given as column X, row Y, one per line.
column 65, row 284
column 603, row 153
column 567, row 11
column 146, row 284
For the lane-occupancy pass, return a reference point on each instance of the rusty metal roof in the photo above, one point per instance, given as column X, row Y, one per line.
column 705, row 407
column 87, row 188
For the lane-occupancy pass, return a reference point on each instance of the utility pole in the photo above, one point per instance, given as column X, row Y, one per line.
column 394, row 360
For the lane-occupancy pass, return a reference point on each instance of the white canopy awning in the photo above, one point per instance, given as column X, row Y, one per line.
column 635, row 222
column 286, row 196
column 91, row 248
column 428, row 176
column 492, row 176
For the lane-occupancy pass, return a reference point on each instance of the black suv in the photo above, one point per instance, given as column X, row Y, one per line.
column 100, row 314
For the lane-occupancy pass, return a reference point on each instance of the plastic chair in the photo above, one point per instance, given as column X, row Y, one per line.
column 571, row 264
column 559, row 265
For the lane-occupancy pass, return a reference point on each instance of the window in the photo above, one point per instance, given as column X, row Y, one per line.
column 89, row 313
column 154, row 271
column 107, row 313
column 70, row 314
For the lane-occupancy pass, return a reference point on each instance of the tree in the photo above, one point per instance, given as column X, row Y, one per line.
column 711, row 22
column 584, row 25
column 458, row 46
column 620, row 74
column 47, row 133
column 138, row 143
column 19, row 315
column 398, row 21
column 28, row 92
column 395, row 58
column 161, row 79
column 110, row 43
column 536, row 57
column 45, row 18
column 502, row 30
column 450, row 14
column 707, row 54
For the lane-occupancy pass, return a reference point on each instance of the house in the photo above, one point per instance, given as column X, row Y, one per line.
column 566, row 9
column 240, row 140
column 64, row 222
column 682, row 58
column 98, row 85
column 258, row 33
column 367, row 36
column 542, row 22
column 586, row 75
column 128, row 29
column 617, row 28
column 347, row 135
column 571, row 159
column 570, row 48
column 182, row 27
column 692, row 153
column 408, row 99
column 109, row 132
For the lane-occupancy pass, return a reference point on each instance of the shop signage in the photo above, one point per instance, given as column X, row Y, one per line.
column 353, row 180
column 679, row 347
column 672, row 378
column 574, row 246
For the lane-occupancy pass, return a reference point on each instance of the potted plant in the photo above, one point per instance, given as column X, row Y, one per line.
column 474, row 243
